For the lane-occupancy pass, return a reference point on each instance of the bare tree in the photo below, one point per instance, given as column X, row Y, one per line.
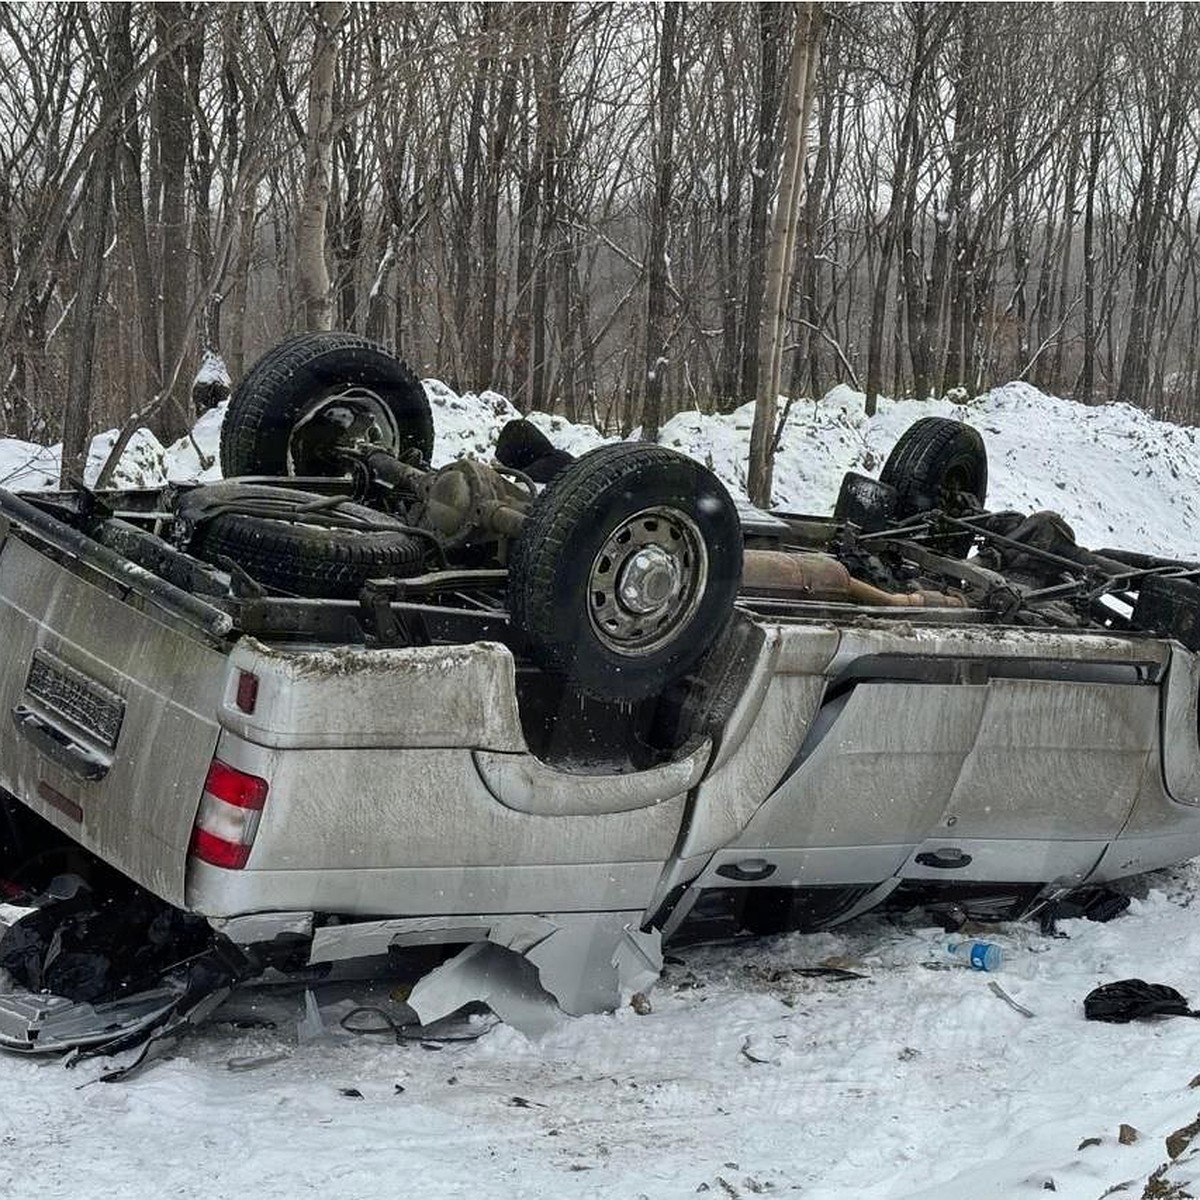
column 97, row 199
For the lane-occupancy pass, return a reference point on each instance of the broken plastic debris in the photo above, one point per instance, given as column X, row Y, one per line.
column 490, row 974
column 310, row 1027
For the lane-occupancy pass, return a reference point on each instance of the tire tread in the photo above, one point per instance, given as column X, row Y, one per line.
column 309, row 560
column 551, row 529
column 255, row 410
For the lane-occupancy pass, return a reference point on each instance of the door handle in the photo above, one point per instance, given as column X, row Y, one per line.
column 748, row 870
column 58, row 746
column 946, row 859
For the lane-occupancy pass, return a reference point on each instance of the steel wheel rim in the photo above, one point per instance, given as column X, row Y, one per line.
column 340, row 420
column 646, row 581
column 957, row 481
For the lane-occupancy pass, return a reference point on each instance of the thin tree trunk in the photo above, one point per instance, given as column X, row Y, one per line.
column 801, row 77
column 1086, row 387
column 770, row 32
column 132, row 218
column 312, row 272
column 174, row 138
column 527, row 223
column 468, row 191
column 485, row 359
column 907, row 138
column 86, row 311
column 657, row 325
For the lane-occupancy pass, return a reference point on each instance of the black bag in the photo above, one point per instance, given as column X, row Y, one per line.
column 1128, row 999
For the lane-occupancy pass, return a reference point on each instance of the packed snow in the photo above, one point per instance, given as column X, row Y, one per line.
column 747, row 1076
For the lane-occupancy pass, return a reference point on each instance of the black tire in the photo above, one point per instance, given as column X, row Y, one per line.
column 939, row 463
column 272, row 426
column 301, row 556
column 934, row 462
column 625, row 518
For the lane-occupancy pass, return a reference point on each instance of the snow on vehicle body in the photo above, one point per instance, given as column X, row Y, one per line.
column 306, row 770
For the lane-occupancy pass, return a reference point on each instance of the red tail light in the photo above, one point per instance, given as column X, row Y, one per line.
column 230, row 810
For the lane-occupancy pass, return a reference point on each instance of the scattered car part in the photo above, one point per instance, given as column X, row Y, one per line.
column 997, row 990
column 1128, row 999
column 107, row 974
column 47, row 1024
column 525, row 448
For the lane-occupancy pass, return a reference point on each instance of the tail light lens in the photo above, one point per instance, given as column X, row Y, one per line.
column 230, row 810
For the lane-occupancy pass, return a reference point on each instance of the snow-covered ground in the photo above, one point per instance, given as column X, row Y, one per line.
column 747, row 1077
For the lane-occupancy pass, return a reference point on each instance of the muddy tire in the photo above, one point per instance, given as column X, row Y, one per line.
column 935, row 462
column 939, row 463
column 626, row 570
column 299, row 553
column 316, row 392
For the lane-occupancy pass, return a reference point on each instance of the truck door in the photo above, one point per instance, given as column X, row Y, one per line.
column 107, row 717
column 1049, row 781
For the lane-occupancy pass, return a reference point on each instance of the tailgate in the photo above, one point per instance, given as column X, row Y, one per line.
column 107, row 717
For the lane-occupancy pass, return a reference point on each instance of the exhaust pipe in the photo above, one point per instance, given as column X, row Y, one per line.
column 819, row 577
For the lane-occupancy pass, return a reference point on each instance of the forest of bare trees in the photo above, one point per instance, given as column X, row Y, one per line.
column 575, row 203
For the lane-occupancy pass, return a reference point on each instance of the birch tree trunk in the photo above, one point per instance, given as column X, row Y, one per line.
column 657, row 325
column 781, row 260
column 312, row 273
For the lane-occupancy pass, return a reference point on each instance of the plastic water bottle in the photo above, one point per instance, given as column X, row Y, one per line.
column 979, row 956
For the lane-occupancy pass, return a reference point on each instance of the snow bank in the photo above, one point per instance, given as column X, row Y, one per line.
column 25, row 466
column 1117, row 475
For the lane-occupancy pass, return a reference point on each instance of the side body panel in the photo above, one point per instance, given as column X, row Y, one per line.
column 1001, row 755
column 400, row 784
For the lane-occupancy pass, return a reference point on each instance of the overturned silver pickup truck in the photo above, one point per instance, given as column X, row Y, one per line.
column 341, row 704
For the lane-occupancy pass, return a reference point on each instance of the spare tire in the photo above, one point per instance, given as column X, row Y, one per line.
column 626, row 570
column 299, row 543
column 315, row 394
